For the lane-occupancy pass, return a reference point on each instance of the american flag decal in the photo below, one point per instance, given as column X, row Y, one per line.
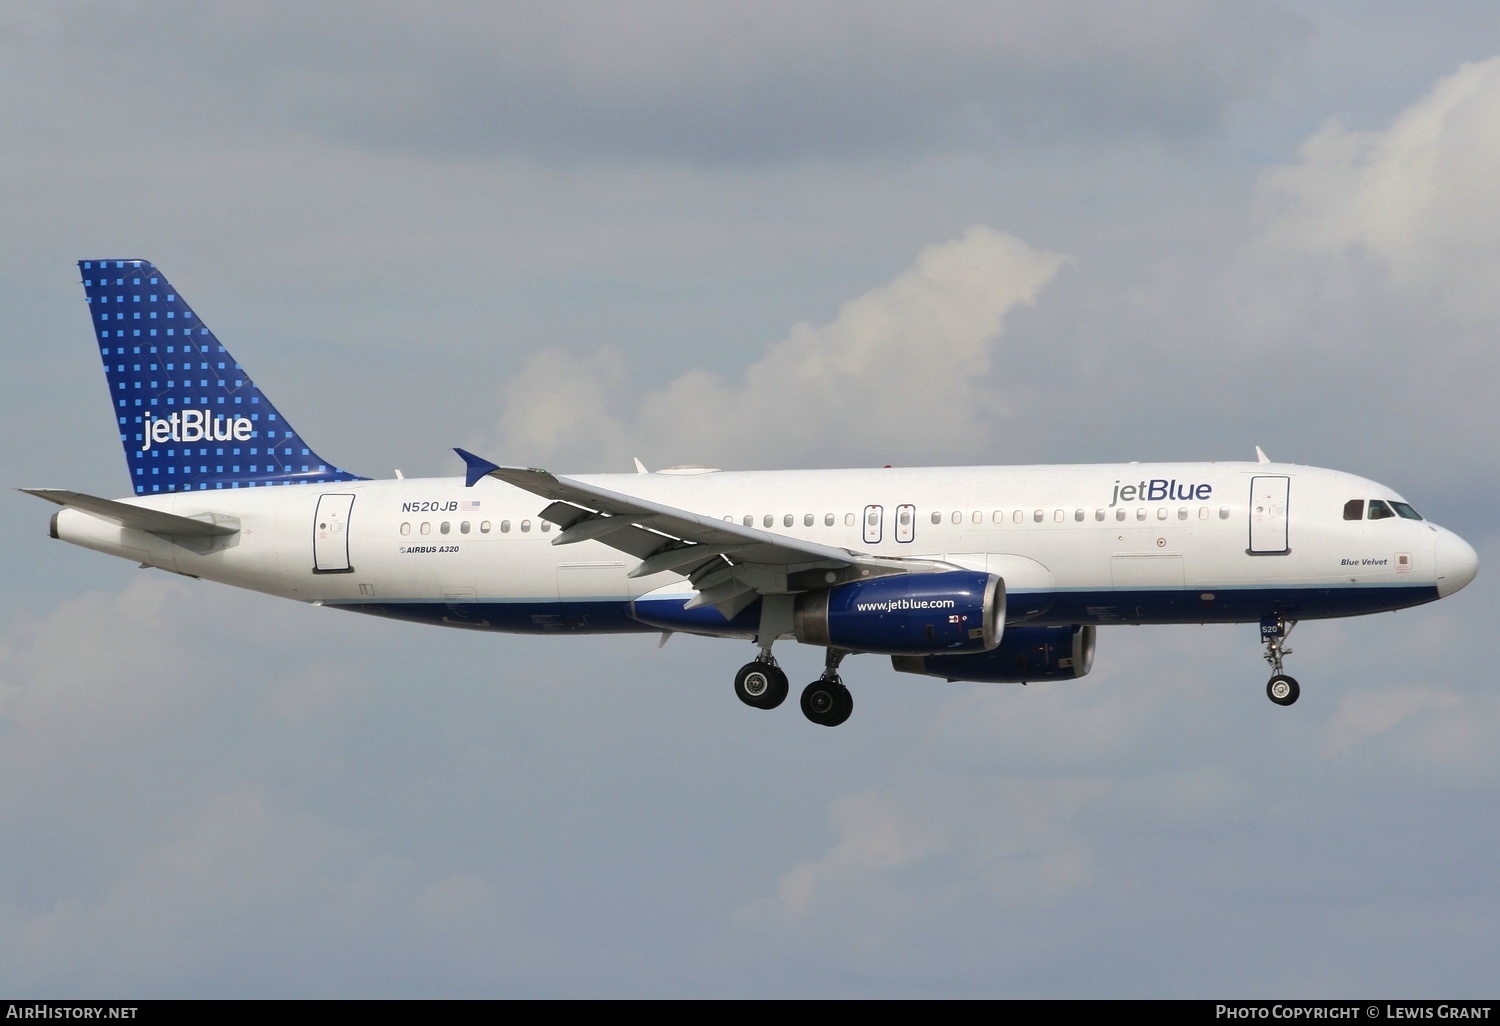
column 468, row 504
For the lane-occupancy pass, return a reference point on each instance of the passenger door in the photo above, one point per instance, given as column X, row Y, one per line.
column 331, row 535
column 1268, row 516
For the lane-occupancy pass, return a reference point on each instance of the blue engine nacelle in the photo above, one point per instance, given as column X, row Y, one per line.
column 907, row 614
column 1025, row 654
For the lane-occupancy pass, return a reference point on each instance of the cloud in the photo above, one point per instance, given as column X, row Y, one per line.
column 676, row 81
column 1368, row 714
column 1417, row 197
column 914, row 856
column 162, row 757
column 899, row 373
column 240, row 897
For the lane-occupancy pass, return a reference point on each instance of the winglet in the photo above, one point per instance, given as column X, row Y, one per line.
column 475, row 467
column 1261, row 456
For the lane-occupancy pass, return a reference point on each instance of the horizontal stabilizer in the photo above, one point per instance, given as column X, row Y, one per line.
column 139, row 517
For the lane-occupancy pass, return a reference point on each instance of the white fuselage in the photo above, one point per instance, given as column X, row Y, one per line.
column 1121, row 543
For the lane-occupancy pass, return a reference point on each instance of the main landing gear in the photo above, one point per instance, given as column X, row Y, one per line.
column 826, row 701
column 1281, row 689
column 761, row 684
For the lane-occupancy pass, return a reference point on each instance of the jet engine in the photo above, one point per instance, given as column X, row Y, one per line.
column 907, row 614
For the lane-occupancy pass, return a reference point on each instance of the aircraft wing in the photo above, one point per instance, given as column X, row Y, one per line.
column 140, row 518
column 730, row 565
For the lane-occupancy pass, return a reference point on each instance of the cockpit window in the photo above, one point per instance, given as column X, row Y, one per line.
column 1379, row 510
column 1405, row 512
column 1354, row 509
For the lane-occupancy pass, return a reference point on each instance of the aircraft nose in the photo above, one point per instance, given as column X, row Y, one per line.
column 1457, row 563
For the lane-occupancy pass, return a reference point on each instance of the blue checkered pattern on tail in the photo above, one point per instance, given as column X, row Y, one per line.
column 190, row 418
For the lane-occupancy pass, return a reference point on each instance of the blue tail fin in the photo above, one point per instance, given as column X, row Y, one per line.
column 190, row 419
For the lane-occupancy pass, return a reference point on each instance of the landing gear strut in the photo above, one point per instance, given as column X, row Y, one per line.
column 826, row 701
column 1281, row 689
column 760, row 683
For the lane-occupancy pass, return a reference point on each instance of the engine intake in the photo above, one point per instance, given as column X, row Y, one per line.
column 1025, row 654
column 906, row 614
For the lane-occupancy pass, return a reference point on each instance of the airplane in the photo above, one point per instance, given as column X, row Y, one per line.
column 986, row 574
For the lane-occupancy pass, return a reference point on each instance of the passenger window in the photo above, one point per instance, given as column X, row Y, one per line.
column 505, row 527
column 426, row 527
column 1099, row 514
column 546, row 525
column 1354, row 509
column 1202, row 512
column 1182, row 513
column 1120, row 513
column 1379, row 510
column 807, row 520
column 937, row 518
column 767, row 520
column 1161, row 512
column 1078, row 515
column 827, row 519
column 1057, row 516
column 787, row 520
column 463, row 528
column 999, row 516
column 525, row 526
column 978, row 517
column 1018, row 516
column 872, row 518
column 406, row 528
column 1037, row 516
column 749, row 520
column 444, row 527
column 1140, row 514
column 848, row 519
column 905, row 517
column 958, row 517
column 1223, row 512
column 484, row 527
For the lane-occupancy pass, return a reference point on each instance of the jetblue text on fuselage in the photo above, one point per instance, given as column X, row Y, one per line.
column 1160, row 490
column 195, row 426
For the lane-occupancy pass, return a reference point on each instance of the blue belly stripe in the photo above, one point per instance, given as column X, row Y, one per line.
column 1062, row 608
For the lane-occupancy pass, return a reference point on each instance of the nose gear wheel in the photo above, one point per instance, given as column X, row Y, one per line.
column 1281, row 689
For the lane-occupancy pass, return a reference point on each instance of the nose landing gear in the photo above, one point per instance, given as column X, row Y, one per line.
column 1281, row 689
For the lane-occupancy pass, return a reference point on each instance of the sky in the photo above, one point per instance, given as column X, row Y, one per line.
column 761, row 236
